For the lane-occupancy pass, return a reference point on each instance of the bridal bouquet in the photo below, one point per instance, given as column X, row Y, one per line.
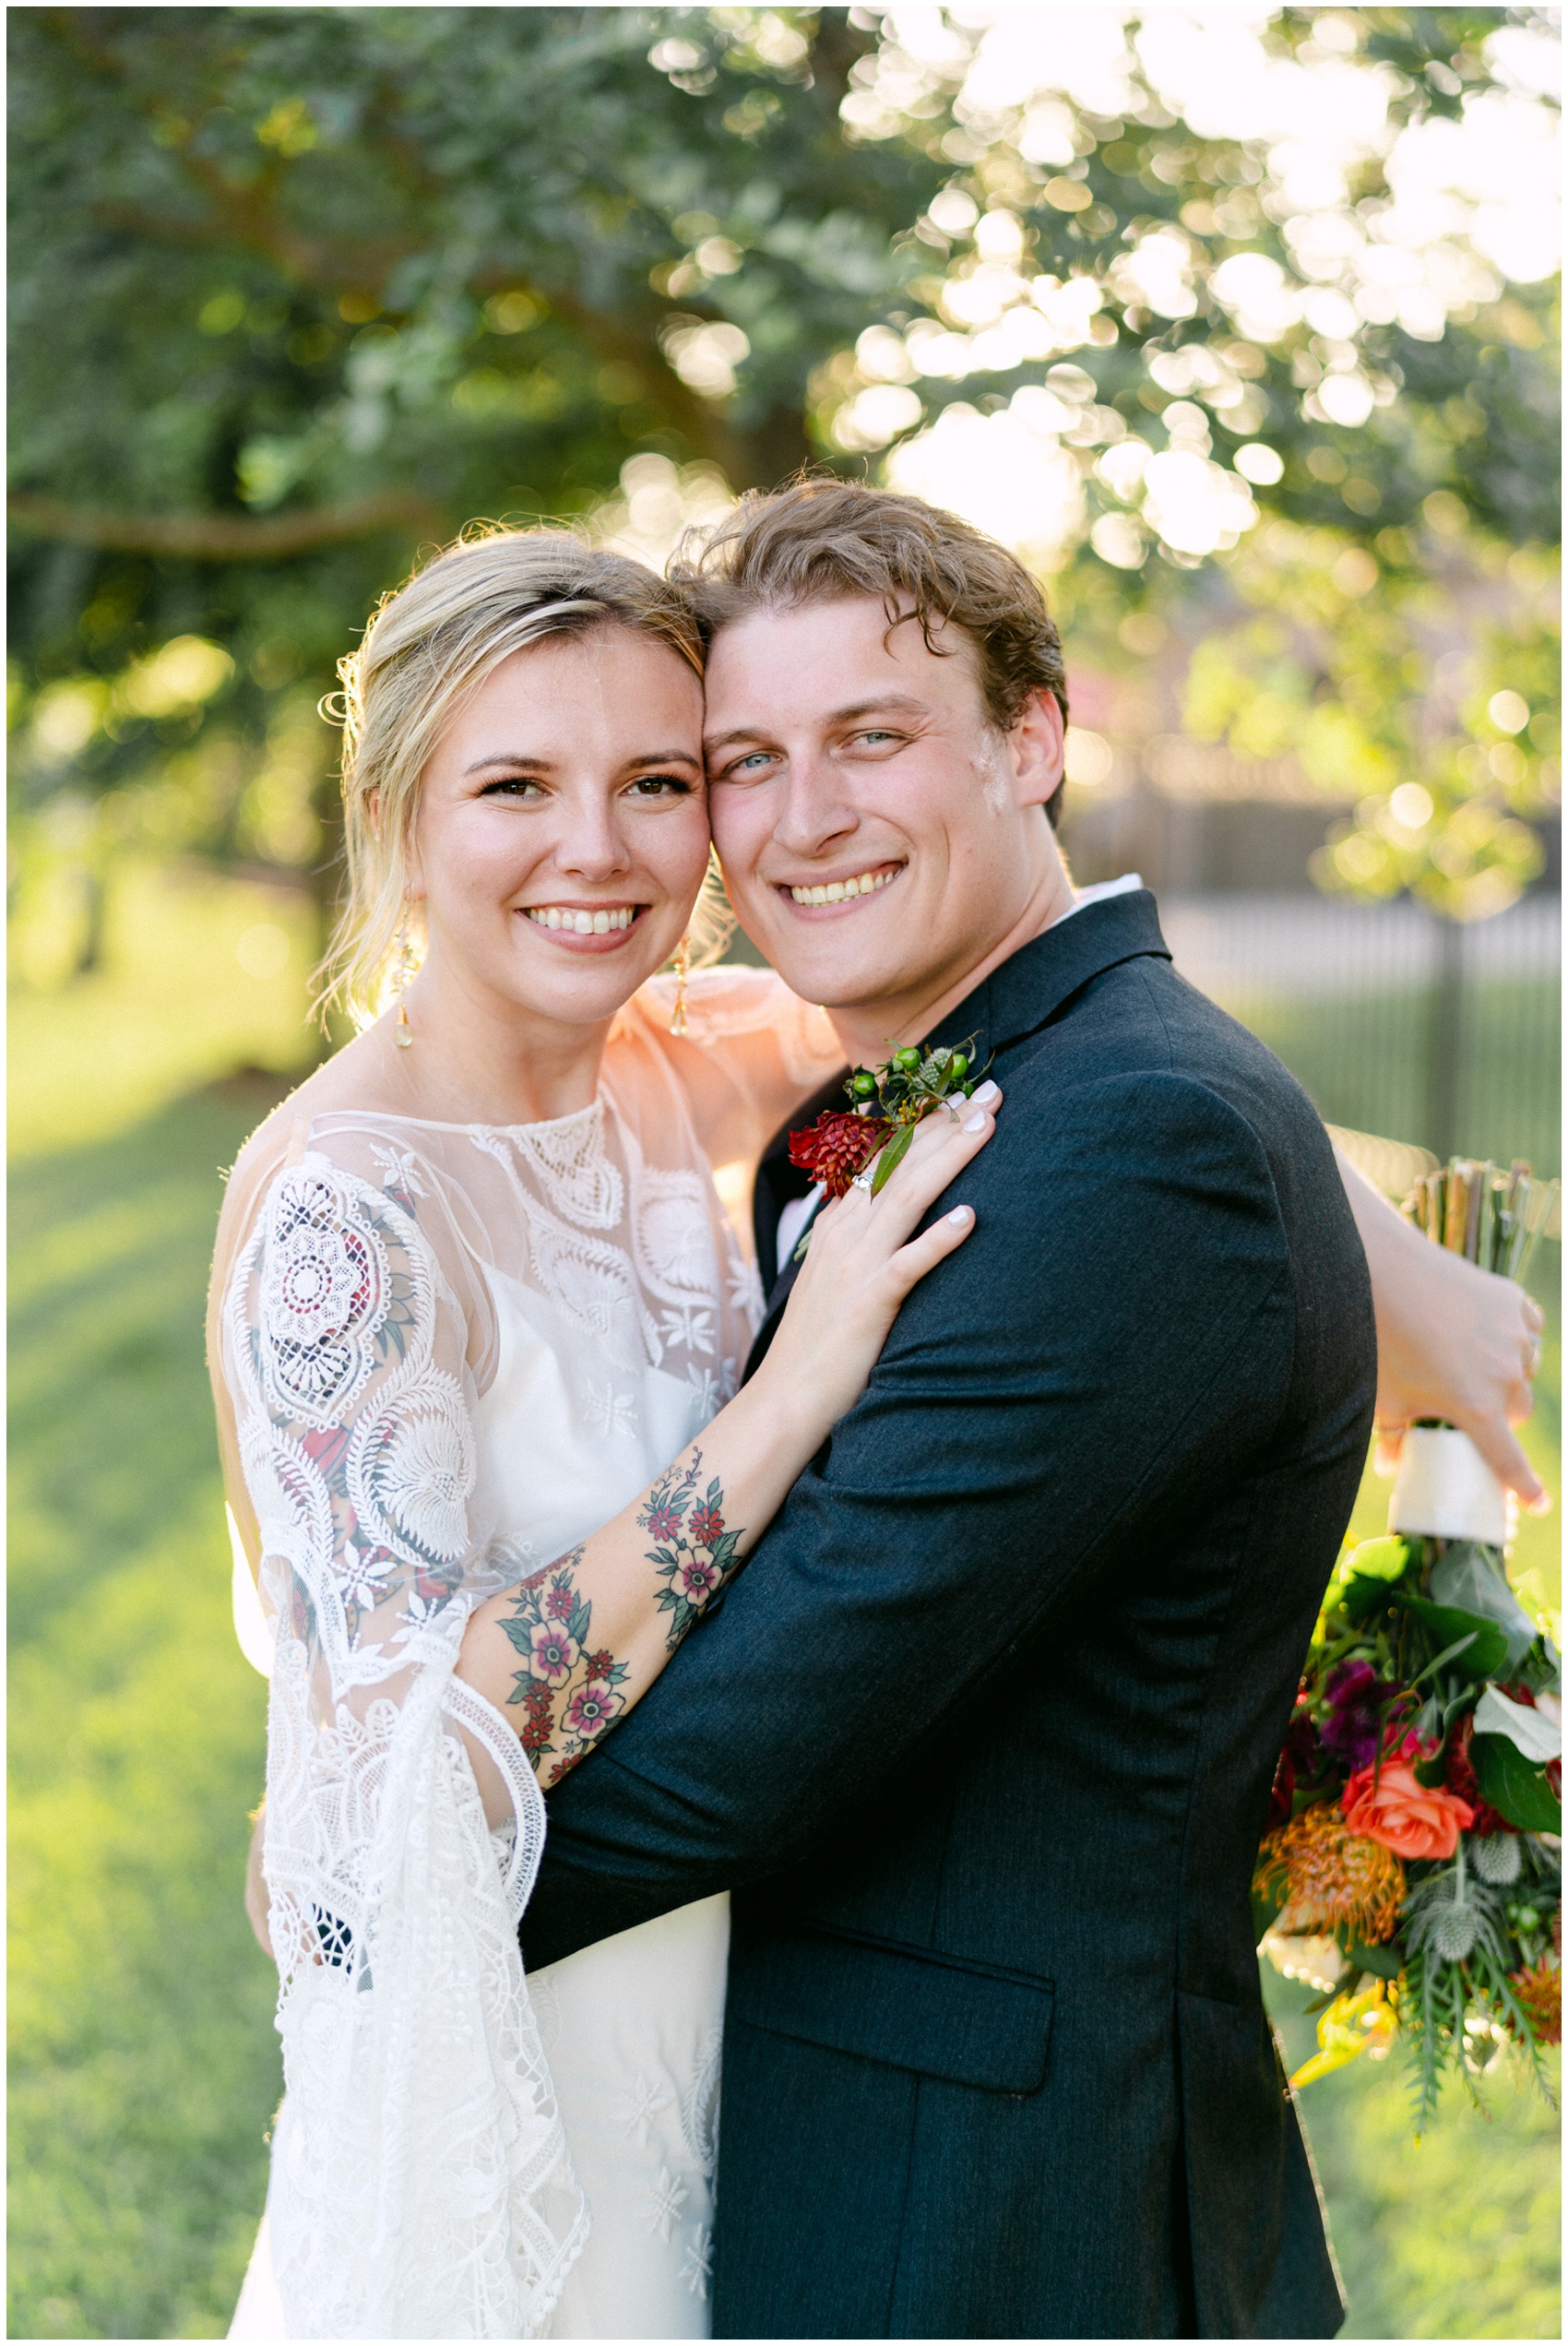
column 1413, row 1863
column 1412, row 1867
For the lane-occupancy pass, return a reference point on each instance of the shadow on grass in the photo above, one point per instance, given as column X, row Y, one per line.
column 144, row 2067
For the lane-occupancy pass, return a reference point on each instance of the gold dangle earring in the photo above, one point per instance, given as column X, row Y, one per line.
column 682, row 972
column 402, row 1033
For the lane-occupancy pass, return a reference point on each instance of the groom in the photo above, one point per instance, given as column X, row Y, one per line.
column 982, row 1738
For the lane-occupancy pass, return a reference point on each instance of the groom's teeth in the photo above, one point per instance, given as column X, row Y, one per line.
column 835, row 891
column 556, row 916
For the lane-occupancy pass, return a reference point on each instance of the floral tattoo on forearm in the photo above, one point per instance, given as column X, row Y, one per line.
column 694, row 1555
column 565, row 1687
column 572, row 1690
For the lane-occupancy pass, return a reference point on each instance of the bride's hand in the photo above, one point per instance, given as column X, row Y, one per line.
column 862, row 1262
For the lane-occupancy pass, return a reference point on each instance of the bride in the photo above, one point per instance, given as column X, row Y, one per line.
column 476, row 1325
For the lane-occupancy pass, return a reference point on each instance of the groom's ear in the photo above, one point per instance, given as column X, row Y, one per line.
column 1038, row 741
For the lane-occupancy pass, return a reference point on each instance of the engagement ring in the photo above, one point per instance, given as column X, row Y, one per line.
column 863, row 1181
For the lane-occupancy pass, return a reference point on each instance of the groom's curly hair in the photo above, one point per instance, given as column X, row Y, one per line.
column 818, row 539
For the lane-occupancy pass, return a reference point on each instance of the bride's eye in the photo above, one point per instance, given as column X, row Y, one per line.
column 661, row 786
column 514, row 786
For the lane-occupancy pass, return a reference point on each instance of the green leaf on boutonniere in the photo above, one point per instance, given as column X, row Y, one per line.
column 892, row 1157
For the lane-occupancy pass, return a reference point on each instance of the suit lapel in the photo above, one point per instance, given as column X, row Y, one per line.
column 1017, row 998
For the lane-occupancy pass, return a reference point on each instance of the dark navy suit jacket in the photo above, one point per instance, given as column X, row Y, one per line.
column 981, row 1737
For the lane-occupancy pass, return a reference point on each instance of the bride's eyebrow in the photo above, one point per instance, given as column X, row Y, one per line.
column 521, row 762
column 513, row 761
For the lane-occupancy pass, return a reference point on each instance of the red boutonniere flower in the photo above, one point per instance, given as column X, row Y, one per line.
column 837, row 1145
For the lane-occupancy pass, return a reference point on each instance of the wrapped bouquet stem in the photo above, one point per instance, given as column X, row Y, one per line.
column 1444, row 1489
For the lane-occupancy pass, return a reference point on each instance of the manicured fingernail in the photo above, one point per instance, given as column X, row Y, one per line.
column 959, row 1213
column 986, row 1094
column 976, row 1123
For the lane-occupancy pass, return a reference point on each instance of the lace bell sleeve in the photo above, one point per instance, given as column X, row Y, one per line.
column 419, row 2139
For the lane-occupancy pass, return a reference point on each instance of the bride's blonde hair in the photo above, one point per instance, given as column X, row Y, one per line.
column 430, row 644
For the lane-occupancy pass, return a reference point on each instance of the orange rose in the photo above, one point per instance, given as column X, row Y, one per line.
column 1404, row 1816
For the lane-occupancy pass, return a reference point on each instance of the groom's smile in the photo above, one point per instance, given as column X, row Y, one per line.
column 881, row 836
column 833, row 894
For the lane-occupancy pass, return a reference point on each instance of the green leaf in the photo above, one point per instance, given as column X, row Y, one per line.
column 1363, row 1599
column 1452, row 1631
column 1466, row 1577
column 520, row 1633
column 1385, row 1559
column 1513, row 1787
column 892, row 1157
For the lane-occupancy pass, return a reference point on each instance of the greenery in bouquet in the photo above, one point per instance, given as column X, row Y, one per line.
column 1412, row 1865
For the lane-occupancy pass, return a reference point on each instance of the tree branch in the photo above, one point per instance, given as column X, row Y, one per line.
column 214, row 537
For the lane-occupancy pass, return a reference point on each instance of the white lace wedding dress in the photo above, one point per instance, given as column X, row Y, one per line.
column 443, row 1354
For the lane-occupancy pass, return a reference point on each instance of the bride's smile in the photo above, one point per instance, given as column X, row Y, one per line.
column 562, row 834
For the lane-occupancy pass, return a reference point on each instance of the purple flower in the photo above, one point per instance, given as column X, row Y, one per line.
column 696, row 1579
column 592, row 1708
column 553, row 1654
column 1355, row 1698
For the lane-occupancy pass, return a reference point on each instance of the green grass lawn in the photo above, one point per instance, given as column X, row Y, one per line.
column 144, row 2067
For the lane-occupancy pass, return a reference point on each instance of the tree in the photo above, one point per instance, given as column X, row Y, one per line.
column 296, row 291
column 1216, row 325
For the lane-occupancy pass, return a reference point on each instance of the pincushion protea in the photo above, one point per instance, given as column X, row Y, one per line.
column 1539, row 1990
column 1332, row 1875
column 836, row 1147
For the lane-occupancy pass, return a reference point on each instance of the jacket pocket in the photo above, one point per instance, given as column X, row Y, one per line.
column 967, row 2023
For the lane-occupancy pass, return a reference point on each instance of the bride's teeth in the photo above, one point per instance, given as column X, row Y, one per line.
column 553, row 916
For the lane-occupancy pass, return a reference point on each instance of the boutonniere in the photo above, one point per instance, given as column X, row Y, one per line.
column 887, row 1102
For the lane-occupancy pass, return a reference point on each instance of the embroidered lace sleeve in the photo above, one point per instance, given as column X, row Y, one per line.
column 405, row 2020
